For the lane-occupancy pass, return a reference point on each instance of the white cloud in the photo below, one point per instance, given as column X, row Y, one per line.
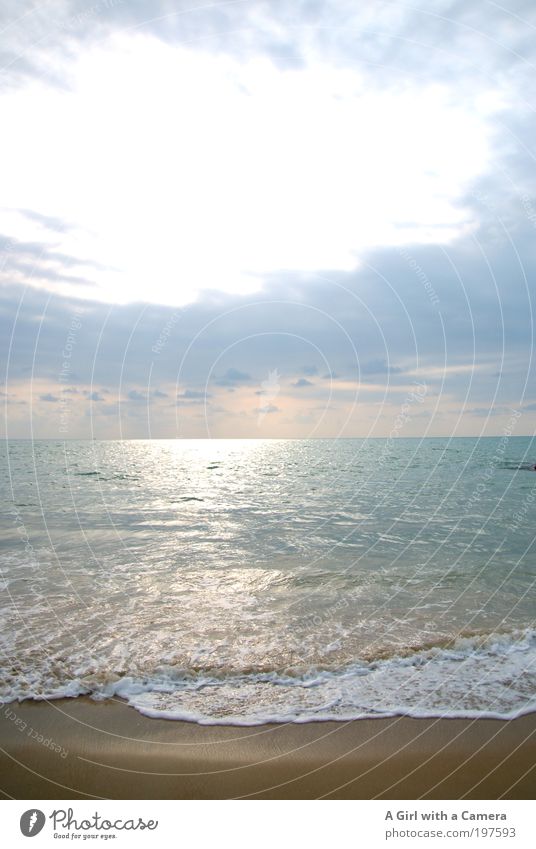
column 183, row 171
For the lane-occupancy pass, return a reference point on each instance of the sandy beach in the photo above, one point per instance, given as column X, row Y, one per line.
column 78, row 748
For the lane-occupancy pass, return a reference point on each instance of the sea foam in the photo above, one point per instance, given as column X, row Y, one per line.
column 491, row 676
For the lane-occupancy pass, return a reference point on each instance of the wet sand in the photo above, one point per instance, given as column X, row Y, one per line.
column 108, row 750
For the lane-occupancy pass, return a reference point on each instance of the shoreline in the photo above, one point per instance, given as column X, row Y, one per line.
column 79, row 748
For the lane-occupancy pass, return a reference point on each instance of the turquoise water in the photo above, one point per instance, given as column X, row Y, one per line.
column 246, row 580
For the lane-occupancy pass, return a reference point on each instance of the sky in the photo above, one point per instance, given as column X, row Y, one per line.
column 262, row 219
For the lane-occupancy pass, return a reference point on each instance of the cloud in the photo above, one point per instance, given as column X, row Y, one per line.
column 193, row 393
column 40, row 264
column 374, row 153
column 382, row 35
column 49, row 222
column 181, row 402
column 302, row 382
column 52, row 399
column 113, row 346
column 136, row 396
column 484, row 412
column 363, row 306
column 190, row 397
column 379, row 366
column 232, row 376
column 269, row 408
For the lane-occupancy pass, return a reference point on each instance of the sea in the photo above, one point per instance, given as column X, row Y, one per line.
column 250, row 581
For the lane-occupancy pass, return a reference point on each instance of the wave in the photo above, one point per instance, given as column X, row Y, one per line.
column 106, row 477
column 486, row 675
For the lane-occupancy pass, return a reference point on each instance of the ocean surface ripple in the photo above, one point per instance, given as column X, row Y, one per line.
column 246, row 581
